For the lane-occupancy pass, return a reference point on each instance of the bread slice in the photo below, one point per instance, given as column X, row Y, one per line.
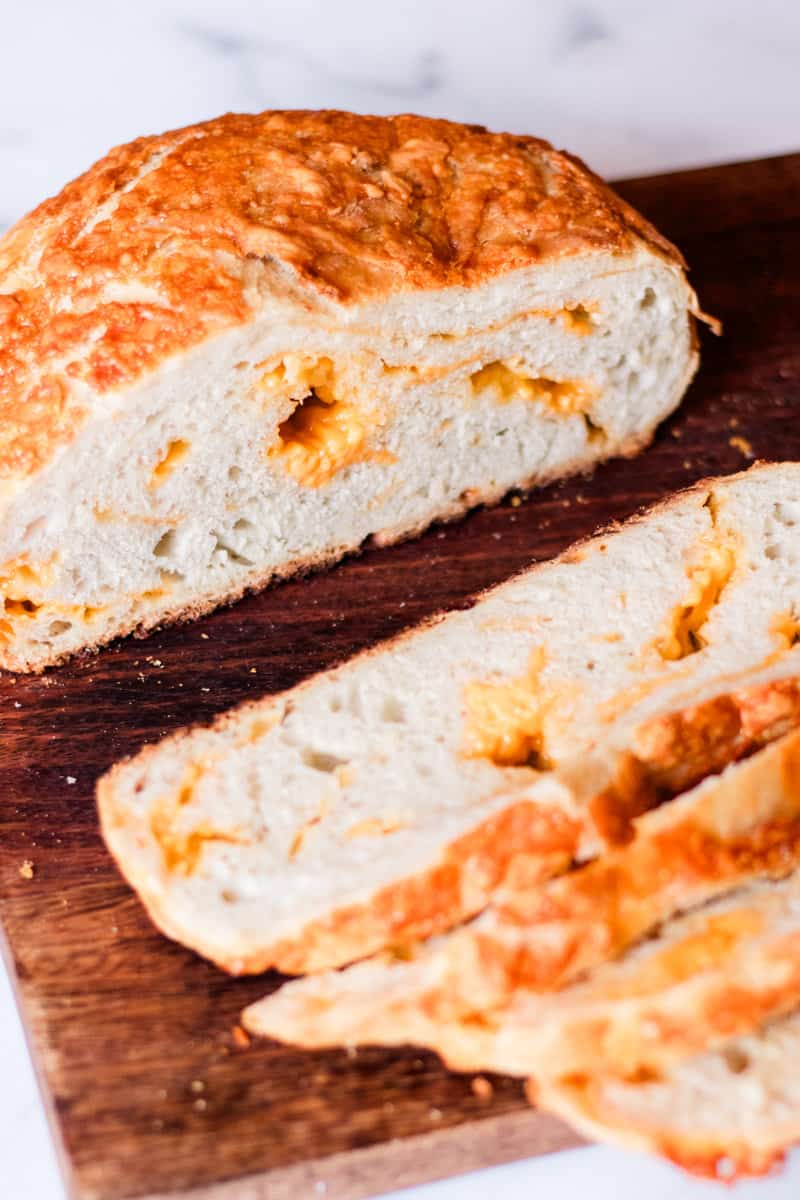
column 383, row 801
column 725, row 1114
column 471, row 995
column 235, row 351
column 707, row 976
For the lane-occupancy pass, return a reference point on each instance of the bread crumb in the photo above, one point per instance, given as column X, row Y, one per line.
column 26, row 870
column 482, row 1088
column 196, row 1086
column 70, row 779
column 742, row 445
column 252, row 670
column 241, row 1038
column 204, row 636
column 733, row 423
column 435, row 1114
column 200, row 1105
column 516, row 501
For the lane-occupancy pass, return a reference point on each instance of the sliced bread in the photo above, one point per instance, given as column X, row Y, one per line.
column 707, row 976
column 384, row 801
column 494, row 996
column 235, row 351
column 725, row 1114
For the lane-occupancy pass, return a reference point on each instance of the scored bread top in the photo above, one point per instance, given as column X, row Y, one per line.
column 173, row 238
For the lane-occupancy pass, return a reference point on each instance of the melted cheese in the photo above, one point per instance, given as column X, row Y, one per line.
column 175, row 452
column 504, row 720
column 707, row 581
column 507, row 383
column 181, row 849
column 325, row 433
column 786, row 627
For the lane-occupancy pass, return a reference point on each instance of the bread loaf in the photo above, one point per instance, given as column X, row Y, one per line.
column 236, row 351
column 386, row 800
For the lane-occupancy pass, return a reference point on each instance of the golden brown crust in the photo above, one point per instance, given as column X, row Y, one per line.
column 357, row 207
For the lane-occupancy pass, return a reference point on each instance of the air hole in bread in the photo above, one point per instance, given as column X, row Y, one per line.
column 318, row 760
column 165, row 544
column 222, row 548
column 772, row 551
column 243, row 525
column 33, row 528
column 174, row 453
column 595, row 432
column 505, row 383
column 648, row 298
column 736, row 1060
column 786, row 513
column 392, row 711
column 234, row 473
column 58, row 627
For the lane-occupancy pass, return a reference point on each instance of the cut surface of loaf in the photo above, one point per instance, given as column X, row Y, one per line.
column 463, row 994
column 384, row 801
column 727, row 1113
column 237, row 350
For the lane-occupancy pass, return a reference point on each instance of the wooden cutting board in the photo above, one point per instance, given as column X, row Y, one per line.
column 149, row 1090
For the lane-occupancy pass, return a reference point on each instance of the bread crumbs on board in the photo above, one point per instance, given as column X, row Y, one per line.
column 482, row 1088
column 742, row 445
column 27, row 869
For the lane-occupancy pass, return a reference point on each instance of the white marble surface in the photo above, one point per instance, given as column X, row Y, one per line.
column 633, row 86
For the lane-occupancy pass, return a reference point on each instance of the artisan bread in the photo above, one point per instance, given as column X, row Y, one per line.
column 235, row 351
column 472, row 994
column 727, row 1113
column 385, row 801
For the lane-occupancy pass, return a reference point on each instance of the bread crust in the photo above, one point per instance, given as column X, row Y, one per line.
column 336, row 208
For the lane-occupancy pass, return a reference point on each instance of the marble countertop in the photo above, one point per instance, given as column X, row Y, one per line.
column 632, row 87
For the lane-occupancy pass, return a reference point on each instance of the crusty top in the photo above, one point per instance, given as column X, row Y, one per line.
column 146, row 253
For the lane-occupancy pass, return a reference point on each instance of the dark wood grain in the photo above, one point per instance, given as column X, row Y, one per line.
column 151, row 1094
